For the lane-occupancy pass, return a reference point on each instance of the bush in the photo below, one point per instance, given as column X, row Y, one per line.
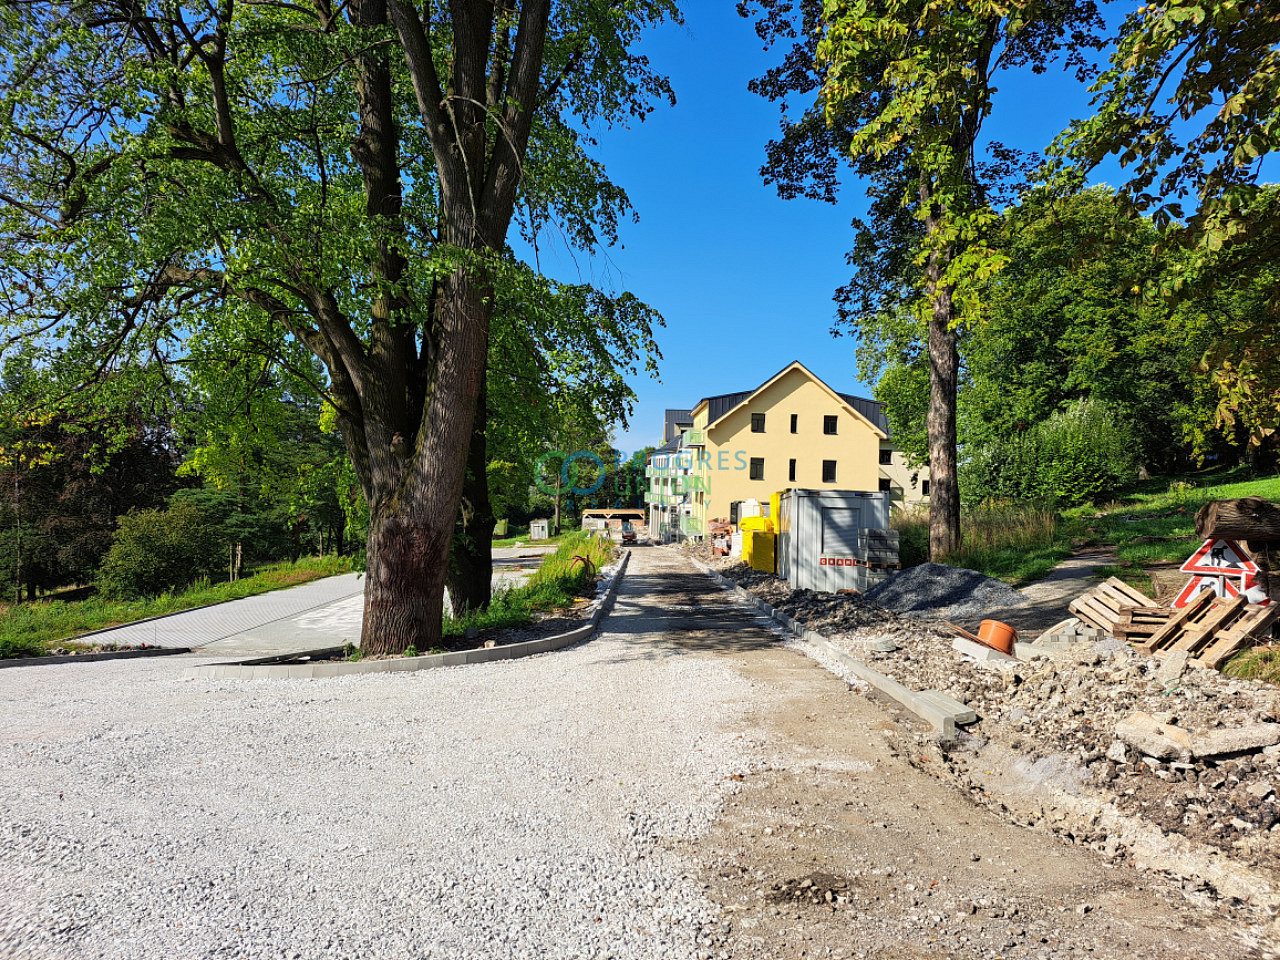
column 158, row 550
column 1079, row 455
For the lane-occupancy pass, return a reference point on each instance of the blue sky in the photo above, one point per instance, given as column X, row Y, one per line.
column 744, row 279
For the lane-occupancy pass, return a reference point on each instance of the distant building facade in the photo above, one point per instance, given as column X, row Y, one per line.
column 791, row 431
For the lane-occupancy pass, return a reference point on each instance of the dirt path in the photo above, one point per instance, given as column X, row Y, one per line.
column 904, row 865
column 1050, row 597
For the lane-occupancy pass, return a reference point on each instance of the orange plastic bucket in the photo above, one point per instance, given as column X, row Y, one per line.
column 998, row 635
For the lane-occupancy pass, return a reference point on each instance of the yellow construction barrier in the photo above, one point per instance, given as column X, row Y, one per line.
column 756, row 523
column 759, row 550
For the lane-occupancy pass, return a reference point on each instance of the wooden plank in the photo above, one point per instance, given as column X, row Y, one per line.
column 1086, row 608
column 1165, row 634
column 1083, row 609
column 1219, row 615
column 1133, row 593
column 1113, row 595
column 1243, row 633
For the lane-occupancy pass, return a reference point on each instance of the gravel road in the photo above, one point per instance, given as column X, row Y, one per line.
column 643, row 795
column 501, row 810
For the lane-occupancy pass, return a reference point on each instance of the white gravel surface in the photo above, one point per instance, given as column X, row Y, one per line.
column 517, row 809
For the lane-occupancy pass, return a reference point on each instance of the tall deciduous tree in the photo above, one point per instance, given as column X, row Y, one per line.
column 349, row 171
column 904, row 86
column 1191, row 105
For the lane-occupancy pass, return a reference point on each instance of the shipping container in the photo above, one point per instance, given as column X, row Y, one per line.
column 822, row 537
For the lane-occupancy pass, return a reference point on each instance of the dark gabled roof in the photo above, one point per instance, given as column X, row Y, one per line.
column 873, row 410
column 671, row 446
column 718, row 406
column 673, row 420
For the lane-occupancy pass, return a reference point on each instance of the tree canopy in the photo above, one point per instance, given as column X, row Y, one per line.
column 336, row 182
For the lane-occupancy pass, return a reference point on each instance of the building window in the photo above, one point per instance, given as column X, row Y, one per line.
column 924, row 488
column 795, row 423
column 828, row 471
column 757, row 423
column 886, row 456
column 791, row 471
column 829, row 425
column 757, row 468
column 886, row 484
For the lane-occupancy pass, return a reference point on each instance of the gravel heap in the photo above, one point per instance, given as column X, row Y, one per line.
column 945, row 593
column 1062, row 710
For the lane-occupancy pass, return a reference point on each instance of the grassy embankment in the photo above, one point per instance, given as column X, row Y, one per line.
column 1152, row 524
column 561, row 579
column 32, row 629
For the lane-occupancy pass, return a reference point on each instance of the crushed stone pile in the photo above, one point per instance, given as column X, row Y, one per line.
column 1063, row 711
column 938, row 591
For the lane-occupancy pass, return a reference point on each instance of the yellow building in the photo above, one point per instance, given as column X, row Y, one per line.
column 791, row 431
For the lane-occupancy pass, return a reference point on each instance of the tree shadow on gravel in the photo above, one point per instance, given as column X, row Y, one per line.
column 683, row 613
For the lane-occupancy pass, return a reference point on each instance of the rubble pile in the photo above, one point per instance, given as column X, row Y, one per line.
column 1188, row 749
column 831, row 614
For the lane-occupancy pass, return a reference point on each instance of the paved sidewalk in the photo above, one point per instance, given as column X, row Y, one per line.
column 324, row 613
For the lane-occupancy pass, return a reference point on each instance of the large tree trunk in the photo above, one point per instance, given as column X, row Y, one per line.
column 471, row 560
column 412, row 511
column 1245, row 518
column 944, row 375
column 944, row 487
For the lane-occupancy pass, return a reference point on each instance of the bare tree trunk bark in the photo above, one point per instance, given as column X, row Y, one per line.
column 944, row 487
column 471, row 559
column 944, row 374
column 412, row 511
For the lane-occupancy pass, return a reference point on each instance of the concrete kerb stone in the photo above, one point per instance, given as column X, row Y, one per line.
column 105, row 655
column 307, row 671
column 931, row 706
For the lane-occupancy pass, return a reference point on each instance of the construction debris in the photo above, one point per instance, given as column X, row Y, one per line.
column 1210, row 629
column 1204, row 763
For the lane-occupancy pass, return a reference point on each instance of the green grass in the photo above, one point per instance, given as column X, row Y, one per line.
column 561, row 578
column 1260, row 663
column 522, row 539
column 1153, row 523
column 31, row 629
column 1015, row 542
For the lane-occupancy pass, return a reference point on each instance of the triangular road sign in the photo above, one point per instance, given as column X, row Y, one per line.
column 1223, row 587
column 1220, row 558
column 1194, row 586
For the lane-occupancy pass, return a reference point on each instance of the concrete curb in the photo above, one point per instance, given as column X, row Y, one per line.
column 935, row 708
column 340, row 668
column 105, row 655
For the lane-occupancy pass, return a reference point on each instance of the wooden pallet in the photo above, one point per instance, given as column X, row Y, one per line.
column 1104, row 605
column 1138, row 624
column 1211, row 629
